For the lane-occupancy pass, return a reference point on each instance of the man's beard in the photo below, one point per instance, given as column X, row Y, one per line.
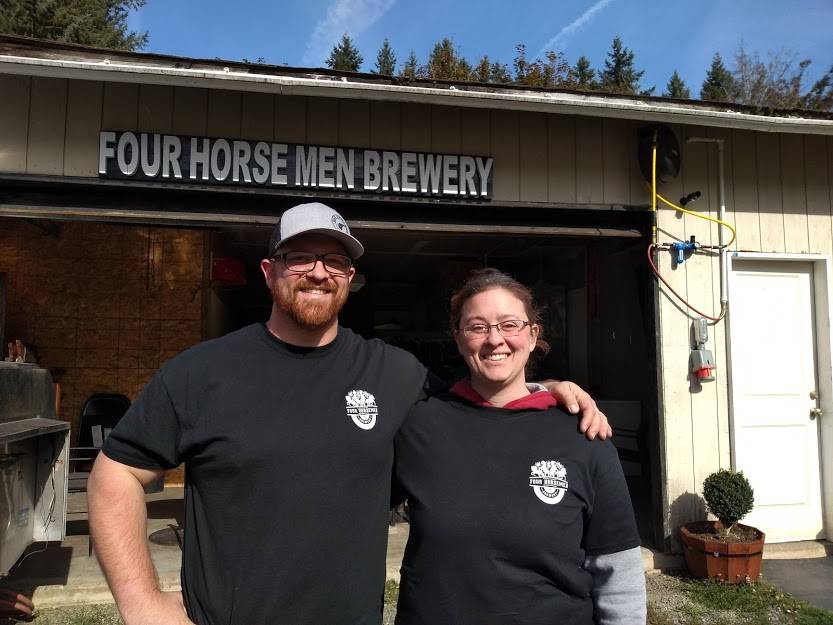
column 309, row 315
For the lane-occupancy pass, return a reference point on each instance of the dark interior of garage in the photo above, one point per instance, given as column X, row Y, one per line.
column 595, row 293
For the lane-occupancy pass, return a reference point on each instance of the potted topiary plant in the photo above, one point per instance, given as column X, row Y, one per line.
column 725, row 549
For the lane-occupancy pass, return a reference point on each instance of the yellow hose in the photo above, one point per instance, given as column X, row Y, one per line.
column 706, row 217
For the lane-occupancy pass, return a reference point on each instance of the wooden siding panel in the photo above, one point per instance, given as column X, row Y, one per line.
column 445, row 129
column 223, row 117
column 674, row 339
column 354, row 123
column 533, row 157
column 794, row 194
column 84, row 101
column 616, row 162
column 120, row 110
column 190, row 111
column 156, row 108
column 47, row 126
column 322, row 121
column 700, row 161
column 718, row 331
column 257, row 116
column 640, row 191
column 14, row 122
column 769, row 193
column 290, row 119
column 561, row 148
column 589, row 161
column 744, row 184
column 416, row 127
column 475, row 136
column 819, row 223
column 505, row 150
column 385, row 126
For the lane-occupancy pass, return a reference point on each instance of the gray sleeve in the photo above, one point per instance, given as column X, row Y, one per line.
column 618, row 587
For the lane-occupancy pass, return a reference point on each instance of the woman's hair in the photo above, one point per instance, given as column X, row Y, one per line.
column 486, row 279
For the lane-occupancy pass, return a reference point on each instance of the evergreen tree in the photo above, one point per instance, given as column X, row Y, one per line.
column 676, row 88
column 581, row 76
column 411, row 67
column 482, row 72
column 345, row 56
column 520, row 63
column 719, row 86
column 101, row 23
column 445, row 63
column 385, row 60
column 499, row 73
column 620, row 75
column 820, row 95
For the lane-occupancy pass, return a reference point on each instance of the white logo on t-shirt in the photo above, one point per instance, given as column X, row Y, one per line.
column 362, row 408
column 548, row 480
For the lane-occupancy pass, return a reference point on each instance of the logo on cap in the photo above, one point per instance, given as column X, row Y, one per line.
column 338, row 222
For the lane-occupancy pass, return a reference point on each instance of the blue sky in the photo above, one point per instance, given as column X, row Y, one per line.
column 664, row 35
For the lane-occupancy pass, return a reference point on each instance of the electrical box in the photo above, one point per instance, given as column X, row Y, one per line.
column 34, row 449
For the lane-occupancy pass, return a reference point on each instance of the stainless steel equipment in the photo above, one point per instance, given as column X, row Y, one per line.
column 34, row 447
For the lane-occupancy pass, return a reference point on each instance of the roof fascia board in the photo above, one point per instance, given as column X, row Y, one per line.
column 553, row 102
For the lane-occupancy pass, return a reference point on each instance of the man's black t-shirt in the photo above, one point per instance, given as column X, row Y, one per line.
column 288, row 455
column 505, row 505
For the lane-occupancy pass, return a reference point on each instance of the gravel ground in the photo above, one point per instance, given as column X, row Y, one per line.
column 672, row 600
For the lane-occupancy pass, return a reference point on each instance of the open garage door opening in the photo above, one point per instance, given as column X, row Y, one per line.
column 595, row 292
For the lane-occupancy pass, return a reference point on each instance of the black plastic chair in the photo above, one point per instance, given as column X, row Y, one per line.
column 100, row 414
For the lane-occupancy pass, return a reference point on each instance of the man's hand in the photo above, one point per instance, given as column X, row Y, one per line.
column 593, row 421
column 161, row 607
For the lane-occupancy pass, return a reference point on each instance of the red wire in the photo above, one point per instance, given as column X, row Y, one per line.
column 670, row 288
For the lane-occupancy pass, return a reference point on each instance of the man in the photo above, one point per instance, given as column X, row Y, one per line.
column 286, row 429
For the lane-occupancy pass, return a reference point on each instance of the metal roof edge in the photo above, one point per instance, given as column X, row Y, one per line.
column 344, row 87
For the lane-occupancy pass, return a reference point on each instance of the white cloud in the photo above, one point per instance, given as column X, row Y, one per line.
column 353, row 17
column 570, row 29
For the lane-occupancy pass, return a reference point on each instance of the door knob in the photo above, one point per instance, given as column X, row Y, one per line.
column 815, row 412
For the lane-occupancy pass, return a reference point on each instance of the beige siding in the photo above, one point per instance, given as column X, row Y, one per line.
column 561, row 147
column 770, row 206
column 290, row 119
column 818, row 186
column 533, row 157
column 385, row 125
column 47, row 126
column 794, row 195
column 416, row 127
column 258, row 116
column 84, row 100
column 615, row 157
column 589, row 161
column 354, row 123
column 156, row 108
column 505, row 150
column 14, row 122
column 190, row 111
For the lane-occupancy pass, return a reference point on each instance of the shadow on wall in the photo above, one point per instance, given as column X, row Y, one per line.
column 686, row 508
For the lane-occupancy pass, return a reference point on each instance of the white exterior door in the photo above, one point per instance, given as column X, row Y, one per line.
column 774, row 382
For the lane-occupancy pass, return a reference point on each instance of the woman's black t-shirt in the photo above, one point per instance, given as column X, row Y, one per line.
column 505, row 505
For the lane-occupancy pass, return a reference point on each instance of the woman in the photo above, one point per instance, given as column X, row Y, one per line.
column 516, row 518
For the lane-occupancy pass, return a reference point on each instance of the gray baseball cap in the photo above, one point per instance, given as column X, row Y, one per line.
column 314, row 217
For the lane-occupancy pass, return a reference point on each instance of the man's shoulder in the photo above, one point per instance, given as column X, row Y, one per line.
column 378, row 348
column 215, row 351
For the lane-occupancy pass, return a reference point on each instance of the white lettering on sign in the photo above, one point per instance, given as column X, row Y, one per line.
column 215, row 160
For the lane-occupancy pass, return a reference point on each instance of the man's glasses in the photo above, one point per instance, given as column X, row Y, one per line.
column 302, row 262
column 510, row 327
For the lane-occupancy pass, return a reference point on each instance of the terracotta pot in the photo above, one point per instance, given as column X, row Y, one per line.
column 729, row 562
